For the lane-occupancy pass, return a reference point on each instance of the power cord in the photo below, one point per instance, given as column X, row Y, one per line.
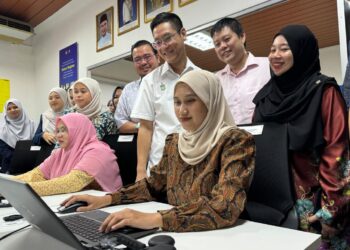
column 15, row 231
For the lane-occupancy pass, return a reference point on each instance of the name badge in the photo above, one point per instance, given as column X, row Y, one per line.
column 254, row 130
column 125, row 138
column 162, row 86
column 35, row 148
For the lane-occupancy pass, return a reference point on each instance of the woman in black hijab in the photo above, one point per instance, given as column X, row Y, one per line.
column 312, row 106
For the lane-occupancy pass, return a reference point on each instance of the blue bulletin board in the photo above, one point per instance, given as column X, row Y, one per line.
column 68, row 65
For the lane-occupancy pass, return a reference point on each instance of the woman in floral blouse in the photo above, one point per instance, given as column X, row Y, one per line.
column 312, row 106
column 204, row 172
column 87, row 99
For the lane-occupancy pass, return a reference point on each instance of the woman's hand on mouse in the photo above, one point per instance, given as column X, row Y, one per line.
column 132, row 218
column 94, row 202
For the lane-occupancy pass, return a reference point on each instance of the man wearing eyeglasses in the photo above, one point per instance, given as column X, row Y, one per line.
column 154, row 105
column 145, row 60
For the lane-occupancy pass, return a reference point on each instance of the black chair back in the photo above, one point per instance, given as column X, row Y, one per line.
column 125, row 147
column 45, row 152
column 24, row 157
column 270, row 195
column 28, row 156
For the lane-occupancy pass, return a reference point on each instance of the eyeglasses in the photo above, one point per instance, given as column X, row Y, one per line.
column 139, row 59
column 166, row 39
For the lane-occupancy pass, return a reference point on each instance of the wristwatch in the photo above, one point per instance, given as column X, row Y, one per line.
column 137, row 125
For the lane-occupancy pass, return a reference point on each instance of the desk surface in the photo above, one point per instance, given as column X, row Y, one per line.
column 245, row 235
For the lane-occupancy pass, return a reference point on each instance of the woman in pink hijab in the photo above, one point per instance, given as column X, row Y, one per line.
column 81, row 162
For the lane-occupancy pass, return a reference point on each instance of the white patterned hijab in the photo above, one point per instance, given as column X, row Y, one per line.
column 49, row 116
column 13, row 130
column 70, row 102
column 94, row 108
column 194, row 146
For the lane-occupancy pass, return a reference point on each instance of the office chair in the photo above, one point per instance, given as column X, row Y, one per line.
column 24, row 158
column 270, row 196
column 45, row 151
column 126, row 152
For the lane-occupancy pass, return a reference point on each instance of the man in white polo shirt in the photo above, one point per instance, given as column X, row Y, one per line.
column 154, row 105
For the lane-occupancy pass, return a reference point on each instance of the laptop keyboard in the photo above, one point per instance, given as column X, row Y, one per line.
column 83, row 227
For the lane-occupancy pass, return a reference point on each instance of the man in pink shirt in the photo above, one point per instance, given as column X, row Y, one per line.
column 244, row 75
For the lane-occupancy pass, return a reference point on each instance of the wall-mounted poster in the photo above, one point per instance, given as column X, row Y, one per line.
column 68, row 63
column 104, row 30
column 154, row 7
column 4, row 92
column 128, row 15
column 185, row 2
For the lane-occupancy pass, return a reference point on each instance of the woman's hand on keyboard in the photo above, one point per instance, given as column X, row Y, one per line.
column 131, row 218
column 94, row 202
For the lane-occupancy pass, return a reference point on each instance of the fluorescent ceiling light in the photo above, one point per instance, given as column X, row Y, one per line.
column 200, row 40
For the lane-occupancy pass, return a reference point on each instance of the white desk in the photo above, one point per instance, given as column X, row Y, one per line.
column 245, row 235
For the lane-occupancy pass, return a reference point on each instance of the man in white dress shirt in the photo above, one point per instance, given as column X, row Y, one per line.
column 155, row 105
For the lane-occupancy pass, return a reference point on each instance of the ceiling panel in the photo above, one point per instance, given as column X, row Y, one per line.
column 31, row 11
column 7, row 5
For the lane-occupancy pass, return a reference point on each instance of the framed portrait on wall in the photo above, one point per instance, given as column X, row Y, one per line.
column 104, row 30
column 128, row 15
column 185, row 2
column 154, row 7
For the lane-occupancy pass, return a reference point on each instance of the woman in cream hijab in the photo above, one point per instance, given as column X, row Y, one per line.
column 204, row 171
column 14, row 126
column 87, row 99
column 58, row 102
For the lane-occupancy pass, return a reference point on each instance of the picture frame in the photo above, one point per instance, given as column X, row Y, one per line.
column 105, row 29
column 154, row 7
column 128, row 15
column 185, row 2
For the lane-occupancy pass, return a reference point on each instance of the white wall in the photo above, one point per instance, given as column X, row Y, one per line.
column 107, row 91
column 330, row 62
column 17, row 65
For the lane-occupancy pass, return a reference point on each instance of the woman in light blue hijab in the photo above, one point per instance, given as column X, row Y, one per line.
column 14, row 126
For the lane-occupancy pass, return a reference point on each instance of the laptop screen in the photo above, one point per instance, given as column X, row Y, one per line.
column 29, row 204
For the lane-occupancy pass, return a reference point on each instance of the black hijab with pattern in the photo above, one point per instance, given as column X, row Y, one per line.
column 295, row 97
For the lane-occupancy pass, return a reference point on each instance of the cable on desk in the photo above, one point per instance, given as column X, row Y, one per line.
column 15, row 231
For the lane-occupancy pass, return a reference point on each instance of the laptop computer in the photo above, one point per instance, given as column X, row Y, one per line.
column 29, row 204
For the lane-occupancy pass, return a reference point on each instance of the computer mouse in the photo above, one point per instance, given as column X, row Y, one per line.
column 71, row 208
column 161, row 240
